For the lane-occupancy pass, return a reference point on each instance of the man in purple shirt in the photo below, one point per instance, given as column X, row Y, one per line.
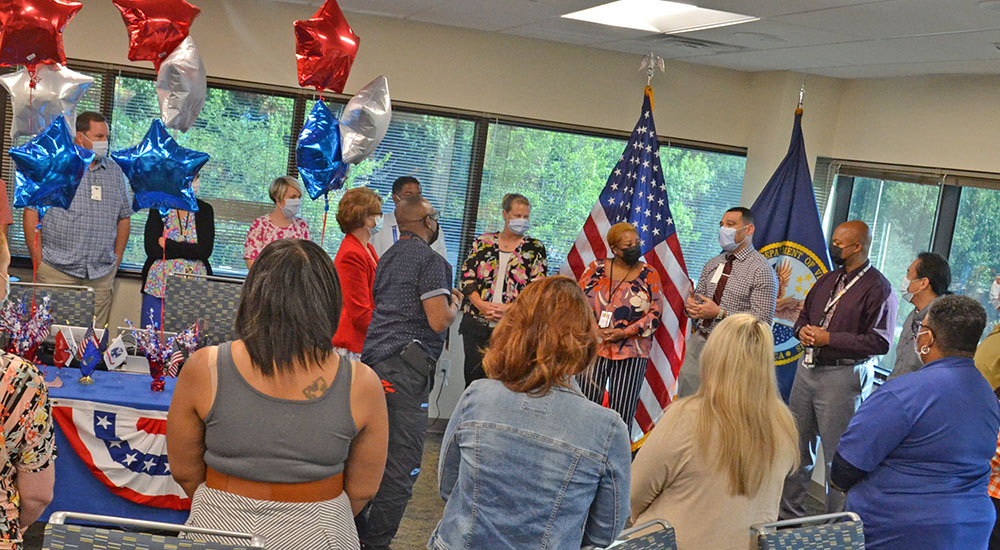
column 847, row 321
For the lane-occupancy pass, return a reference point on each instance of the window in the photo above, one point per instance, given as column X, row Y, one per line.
column 563, row 173
column 248, row 135
column 975, row 247
column 91, row 101
column 436, row 150
column 900, row 215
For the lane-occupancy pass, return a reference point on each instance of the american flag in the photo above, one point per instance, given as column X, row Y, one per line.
column 636, row 193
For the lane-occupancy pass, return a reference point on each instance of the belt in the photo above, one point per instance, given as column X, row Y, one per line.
column 310, row 491
column 841, row 363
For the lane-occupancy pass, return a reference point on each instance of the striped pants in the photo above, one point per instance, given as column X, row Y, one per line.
column 622, row 378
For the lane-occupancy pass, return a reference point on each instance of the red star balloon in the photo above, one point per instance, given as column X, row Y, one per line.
column 155, row 27
column 325, row 47
column 31, row 31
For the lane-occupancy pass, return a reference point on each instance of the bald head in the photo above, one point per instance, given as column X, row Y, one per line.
column 412, row 209
column 850, row 244
column 856, row 231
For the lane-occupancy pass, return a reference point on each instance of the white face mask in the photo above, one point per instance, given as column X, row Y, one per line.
column 995, row 294
column 727, row 238
column 100, row 148
column 291, row 208
column 907, row 295
column 920, row 351
column 519, row 226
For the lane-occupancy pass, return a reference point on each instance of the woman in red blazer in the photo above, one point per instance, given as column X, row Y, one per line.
column 359, row 216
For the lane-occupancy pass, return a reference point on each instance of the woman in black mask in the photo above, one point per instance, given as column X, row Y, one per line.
column 625, row 295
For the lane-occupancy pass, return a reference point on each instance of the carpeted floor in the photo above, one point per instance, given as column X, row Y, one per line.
column 422, row 514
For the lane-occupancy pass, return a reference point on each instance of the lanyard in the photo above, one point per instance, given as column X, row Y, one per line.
column 834, row 299
column 611, row 278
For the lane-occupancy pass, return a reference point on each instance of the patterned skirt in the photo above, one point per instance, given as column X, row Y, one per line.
column 284, row 525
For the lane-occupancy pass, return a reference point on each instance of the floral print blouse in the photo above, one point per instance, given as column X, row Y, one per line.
column 635, row 306
column 479, row 272
column 28, row 437
column 263, row 232
column 182, row 231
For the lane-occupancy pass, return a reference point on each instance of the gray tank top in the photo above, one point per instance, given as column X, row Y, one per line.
column 251, row 435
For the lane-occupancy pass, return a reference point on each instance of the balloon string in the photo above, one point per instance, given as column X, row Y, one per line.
column 34, row 268
column 163, row 297
column 322, row 236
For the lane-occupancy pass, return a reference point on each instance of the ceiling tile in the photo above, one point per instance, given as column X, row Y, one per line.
column 897, row 18
column 496, row 15
column 768, row 34
column 389, row 8
column 769, row 8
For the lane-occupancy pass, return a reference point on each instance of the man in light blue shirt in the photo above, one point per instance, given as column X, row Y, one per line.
column 83, row 245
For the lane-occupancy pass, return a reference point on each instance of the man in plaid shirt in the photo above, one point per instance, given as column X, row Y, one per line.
column 83, row 245
column 740, row 280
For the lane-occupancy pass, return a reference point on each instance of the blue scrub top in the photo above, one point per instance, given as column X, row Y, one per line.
column 926, row 440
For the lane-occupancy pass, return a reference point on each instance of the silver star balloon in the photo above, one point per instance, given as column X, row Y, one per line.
column 181, row 86
column 55, row 92
column 365, row 120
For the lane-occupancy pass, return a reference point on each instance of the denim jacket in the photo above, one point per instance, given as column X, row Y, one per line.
column 521, row 472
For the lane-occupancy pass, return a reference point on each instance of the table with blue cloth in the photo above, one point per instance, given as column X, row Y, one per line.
column 114, row 477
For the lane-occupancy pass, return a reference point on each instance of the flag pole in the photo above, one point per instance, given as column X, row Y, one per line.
column 802, row 95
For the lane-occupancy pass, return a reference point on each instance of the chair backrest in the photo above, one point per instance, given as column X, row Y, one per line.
column 658, row 539
column 825, row 532
column 70, row 305
column 213, row 300
column 62, row 536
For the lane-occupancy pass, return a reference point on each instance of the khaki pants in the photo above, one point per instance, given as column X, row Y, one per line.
column 49, row 275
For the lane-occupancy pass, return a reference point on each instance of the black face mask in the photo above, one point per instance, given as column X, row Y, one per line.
column 837, row 255
column 631, row 254
column 437, row 233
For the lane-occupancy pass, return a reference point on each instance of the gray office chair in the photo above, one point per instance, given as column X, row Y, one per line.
column 213, row 300
column 62, row 536
column 825, row 532
column 71, row 305
column 661, row 539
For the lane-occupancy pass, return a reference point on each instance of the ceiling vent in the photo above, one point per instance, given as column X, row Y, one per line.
column 686, row 43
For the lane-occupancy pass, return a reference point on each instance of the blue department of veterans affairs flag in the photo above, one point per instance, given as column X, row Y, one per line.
column 636, row 193
column 790, row 235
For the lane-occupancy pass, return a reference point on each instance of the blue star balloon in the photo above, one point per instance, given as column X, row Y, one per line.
column 318, row 153
column 160, row 171
column 49, row 168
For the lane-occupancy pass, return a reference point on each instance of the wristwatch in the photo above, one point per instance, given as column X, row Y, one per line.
column 722, row 314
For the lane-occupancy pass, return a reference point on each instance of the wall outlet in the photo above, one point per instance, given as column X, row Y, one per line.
column 443, row 367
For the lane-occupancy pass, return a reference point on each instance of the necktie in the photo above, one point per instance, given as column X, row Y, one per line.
column 721, row 285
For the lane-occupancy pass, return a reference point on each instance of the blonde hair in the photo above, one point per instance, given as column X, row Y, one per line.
column 740, row 415
column 618, row 231
column 280, row 186
column 547, row 336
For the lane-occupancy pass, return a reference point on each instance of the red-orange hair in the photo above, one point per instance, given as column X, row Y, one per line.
column 546, row 337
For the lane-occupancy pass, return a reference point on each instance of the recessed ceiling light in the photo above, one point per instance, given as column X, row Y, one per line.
column 658, row 16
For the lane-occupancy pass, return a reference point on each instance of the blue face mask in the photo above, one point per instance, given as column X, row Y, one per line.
column 727, row 238
column 378, row 225
column 519, row 226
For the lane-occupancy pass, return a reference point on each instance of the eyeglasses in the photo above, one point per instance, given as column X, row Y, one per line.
column 917, row 326
column 435, row 216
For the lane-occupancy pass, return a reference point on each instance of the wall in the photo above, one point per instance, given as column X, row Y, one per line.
column 938, row 121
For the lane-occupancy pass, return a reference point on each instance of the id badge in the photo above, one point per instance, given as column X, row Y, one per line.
column 718, row 274
column 95, row 192
column 605, row 321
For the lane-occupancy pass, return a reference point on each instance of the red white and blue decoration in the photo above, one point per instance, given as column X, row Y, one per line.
column 31, row 31
column 317, row 153
column 37, row 100
column 124, row 448
column 325, row 47
column 27, row 326
column 160, row 171
column 49, row 168
column 636, row 193
column 155, row 27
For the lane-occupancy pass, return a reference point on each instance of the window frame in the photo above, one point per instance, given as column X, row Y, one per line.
column 300, row 97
